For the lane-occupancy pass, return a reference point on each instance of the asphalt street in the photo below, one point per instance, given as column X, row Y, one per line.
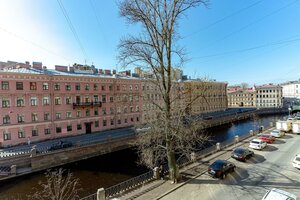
column 269, row 168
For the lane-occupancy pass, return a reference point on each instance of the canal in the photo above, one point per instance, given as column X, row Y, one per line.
column 111, row 169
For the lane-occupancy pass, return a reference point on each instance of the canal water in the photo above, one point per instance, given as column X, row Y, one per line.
column 111, row 169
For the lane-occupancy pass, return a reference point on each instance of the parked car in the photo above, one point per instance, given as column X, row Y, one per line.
column 296, row 162
column 257, row 144
column 276, row 194
column 277, row 133
column 267, row 138
column 242, row 154
column 220, row 168
column 60, row 145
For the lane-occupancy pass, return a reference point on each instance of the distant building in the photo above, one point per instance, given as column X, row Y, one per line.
column 291, row 89
column 241, row 97
column 268, row 96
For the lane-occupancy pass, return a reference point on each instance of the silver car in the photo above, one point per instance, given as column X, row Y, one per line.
column 276, row 194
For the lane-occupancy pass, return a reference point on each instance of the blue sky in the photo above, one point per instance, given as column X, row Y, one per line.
column 251, row 41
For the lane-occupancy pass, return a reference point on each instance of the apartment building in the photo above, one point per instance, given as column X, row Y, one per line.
column 44, row 104
column 268, row 96
column 291, row 89
column 37, row 103
column 241, row 97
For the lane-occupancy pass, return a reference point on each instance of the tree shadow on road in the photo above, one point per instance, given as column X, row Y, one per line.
column 270, row 148
column 279, row 141
column 288, row 136
column 256, row 159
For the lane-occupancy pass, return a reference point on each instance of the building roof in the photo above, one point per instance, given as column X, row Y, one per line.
column 61, row 73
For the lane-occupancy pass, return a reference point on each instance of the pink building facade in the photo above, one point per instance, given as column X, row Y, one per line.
column 46, row 104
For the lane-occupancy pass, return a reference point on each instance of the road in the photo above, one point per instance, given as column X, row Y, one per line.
column 269, row 168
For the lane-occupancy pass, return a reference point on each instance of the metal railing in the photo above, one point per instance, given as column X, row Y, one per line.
column 90, row 197
column 129, row 184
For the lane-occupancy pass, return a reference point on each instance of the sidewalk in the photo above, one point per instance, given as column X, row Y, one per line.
column 157, row 189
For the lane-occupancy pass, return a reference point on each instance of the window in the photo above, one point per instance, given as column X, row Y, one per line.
column 57, row 115
column 6, row 136
column 32, row 85
column 4, row 85
column 69, row 127
column 56, row 86
column 68, row 87
column 79, row 127
column 95, row 87
column 34, row 132
column 104, row 111
column 46, row 116
column 125, row 120
column 20, row 101
column 58, row 129
column 137, row 108
column 103, row 98
column 103, row 87
column 125, row 109
column 46, row 101
column 5, row 103
column 20, row 118
column 96, row 123
column 77, row 86
column 130, row 87
column 111, row 122
column 57, row 100
column 34, row 117
column 111, row 99
column 87, row 112
column 69, row 114
column 118, row 88
column 78, row 113
column 6, row 119
column 96, row 99
column 47, row 131
column 137, row 119
column 19, row 85
column 45, row 86
column 119, row 121
column 33, row 101
column 104, row 122
column 96, row 112
column 68, row 100
column 87, row 87
column 111, row 111
column 110, row 87
column 21, row 134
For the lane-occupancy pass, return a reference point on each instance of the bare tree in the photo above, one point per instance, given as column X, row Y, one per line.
column 155, row 49
column 57, row 187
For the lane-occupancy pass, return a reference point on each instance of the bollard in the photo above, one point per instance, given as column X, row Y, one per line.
column 101, row 194
column 13, row 169
column 218, row 146
column 236, row 139
column 193, row 157
column 251, row 132
column 156, row 173
column 33, row 151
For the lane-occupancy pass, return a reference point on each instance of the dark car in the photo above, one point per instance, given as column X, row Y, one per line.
column 60, row 145
column 242, row 154
column 220, row 168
